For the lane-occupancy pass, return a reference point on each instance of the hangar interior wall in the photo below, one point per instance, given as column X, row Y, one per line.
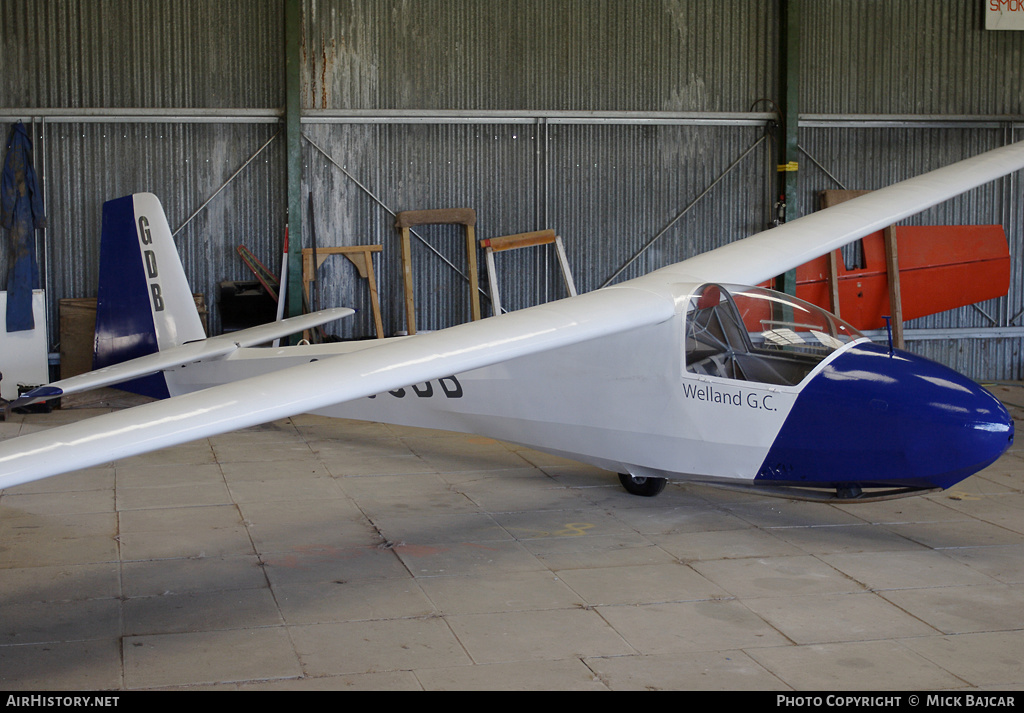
column 606, row 121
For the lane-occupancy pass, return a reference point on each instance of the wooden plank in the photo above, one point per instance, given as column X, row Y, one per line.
column 269, row 280
column 410, row 303
column 828, row 199
column 833, row 282
column 378, row 323
column 519, row 240
column 892, row 267
column 474, row 277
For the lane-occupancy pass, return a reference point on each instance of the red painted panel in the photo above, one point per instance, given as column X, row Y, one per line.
column 941, row 268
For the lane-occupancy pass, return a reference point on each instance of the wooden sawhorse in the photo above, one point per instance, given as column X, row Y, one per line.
column 523, row 240
column 359, row 255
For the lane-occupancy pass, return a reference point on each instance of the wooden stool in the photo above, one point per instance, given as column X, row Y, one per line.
column 359, row 255
column 451, row 216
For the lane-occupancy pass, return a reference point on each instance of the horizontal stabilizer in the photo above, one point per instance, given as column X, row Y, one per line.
column 263, row 333
column 212, row 348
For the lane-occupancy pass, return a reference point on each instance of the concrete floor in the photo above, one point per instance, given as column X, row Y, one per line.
column 319, row 554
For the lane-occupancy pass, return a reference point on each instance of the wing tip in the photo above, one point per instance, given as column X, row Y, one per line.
column 41, row 392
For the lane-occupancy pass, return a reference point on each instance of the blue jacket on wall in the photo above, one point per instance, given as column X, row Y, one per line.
column 21, row 212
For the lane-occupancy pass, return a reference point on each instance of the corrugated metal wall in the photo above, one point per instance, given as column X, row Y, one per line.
column 123, row 53
column 908, row 57
column 380, row 58
column 512, row 108
column 585, row 55
column 64, row 59
column 183, row 164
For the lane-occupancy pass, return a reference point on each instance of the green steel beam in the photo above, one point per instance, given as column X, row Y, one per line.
column 789, row 73
column 293, row 142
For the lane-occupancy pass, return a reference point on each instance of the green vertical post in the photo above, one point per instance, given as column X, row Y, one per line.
column 788, row 147
column 293, row 142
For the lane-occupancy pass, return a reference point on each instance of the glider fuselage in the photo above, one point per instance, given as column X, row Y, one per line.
column 622, row 402
column 860, row 416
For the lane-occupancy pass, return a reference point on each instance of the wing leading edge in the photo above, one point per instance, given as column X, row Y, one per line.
column 319, row 384
column 765, row 255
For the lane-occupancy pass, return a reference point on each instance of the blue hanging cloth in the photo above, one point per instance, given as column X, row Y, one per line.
column 21, row 212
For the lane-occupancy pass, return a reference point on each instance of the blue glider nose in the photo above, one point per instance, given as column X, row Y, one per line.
column 873, row 419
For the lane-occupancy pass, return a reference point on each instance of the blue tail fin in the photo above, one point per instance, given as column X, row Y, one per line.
column 144, row 303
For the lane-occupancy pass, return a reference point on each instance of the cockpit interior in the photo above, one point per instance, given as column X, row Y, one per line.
column 756, row 334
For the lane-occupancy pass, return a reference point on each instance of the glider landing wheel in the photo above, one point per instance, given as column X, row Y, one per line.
column 647, row 487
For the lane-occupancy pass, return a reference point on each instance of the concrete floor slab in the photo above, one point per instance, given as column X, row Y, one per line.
column 855, row 666
column 90, row 665
column 640, row 584
column 154, row 577
column 519, row 591
column 537, row 635
column 597, row 551
column 959, row 610
column 55, row 621
column 376, row 646
column 465, row 558
column 1002, row 563
column 562, row 675
column 208, row 657
column 313, row 563
column 224, row 609
column 353, row 600
column 701, row 671
column 776, row 576
column 726, row 544
column 164, row 533
column 67, row 582
column 834, row 539
column 908, row 569
column 831, row 618
column 31, row 539
column 987, row 659
column 688, row 627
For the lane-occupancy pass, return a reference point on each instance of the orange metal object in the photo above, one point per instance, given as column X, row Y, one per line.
column 941, row 268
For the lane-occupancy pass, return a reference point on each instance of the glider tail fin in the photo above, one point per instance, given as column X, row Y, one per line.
column 144, row 303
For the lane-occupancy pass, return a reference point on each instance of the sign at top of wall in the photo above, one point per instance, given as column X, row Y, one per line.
column 1004, row 14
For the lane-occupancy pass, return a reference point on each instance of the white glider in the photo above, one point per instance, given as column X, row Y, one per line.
column 682, row 373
